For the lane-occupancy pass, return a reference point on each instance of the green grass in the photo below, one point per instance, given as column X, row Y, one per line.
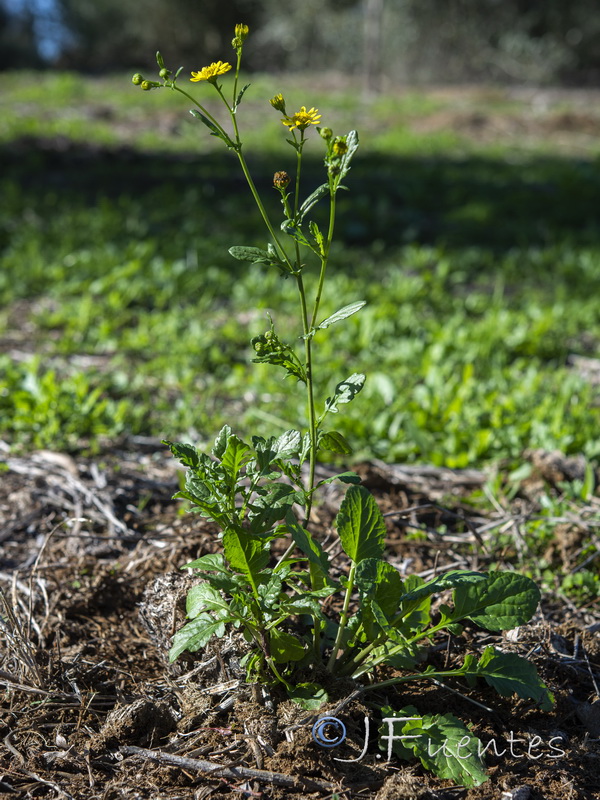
column 122, row 311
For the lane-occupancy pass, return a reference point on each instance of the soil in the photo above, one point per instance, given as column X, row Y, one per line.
column 91, row 593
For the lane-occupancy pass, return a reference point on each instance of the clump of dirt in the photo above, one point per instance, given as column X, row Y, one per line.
column 92, row 708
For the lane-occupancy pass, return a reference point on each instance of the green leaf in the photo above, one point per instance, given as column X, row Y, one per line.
column 317, row 236
column 352, row 144
column 287, row 445
column 509, row 673
column 220, row 444
column 343, row 477
column 214, row 130
column 379, row 582
column 212, row 561
column 345, row 392
column 312, row 549
column 448, row 580
column 313, row 199
column 284, row 647
column 503, row 601
column 186, row 454
column 441, row 742
column 203, row 596
column 195, row 634
column 253, row 254
column 241, row 94
column 269, row 592
column 310, row 696
column 273, row 506
column 244, row 554
column 335, row 442
column 360, row 525
column 343, row 313
column 234, row 457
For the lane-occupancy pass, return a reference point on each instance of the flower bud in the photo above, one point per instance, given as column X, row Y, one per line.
column 241, row 31
column 164, row 73
column 137, row 79
column 278, row 103
column 146, row 85
column 281, row 180
column 326, row 133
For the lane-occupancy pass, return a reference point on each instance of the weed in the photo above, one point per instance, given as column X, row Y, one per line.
column 262, row 492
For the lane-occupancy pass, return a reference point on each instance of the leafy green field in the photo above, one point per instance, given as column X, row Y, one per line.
column 122, row 312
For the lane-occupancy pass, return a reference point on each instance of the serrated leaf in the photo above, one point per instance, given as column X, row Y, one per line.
column 186, row 454
column 441, row 742
column 288, row 444
column 284, row 647
column 345, row 392
column 508, row 674
column 273, row 506
column 503, row 601
column 203, row 596
column 244, row 554
column 360, row 525
column 195, row 634
column 343, row 313
column 335, row 442
column 234, row 457
column 269, row 592
column 220, row 444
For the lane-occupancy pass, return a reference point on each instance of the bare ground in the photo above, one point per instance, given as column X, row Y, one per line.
column 91, row 593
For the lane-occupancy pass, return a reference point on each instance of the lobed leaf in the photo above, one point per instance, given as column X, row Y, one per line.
column 195, row 634
column 345, row 392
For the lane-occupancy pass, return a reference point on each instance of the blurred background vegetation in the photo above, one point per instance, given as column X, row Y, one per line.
column 383, row 41
column 471, row 226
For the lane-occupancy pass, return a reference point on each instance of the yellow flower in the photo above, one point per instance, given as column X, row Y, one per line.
column 210, row 73
column 302, row 119
column 340, row 146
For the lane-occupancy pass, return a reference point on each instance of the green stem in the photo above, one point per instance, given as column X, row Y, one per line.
column 325, row 257
column 206, row 113
column 343, row 619
column 433, row 675
column 362, row 655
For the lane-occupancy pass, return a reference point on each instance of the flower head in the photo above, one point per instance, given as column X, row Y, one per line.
column 281, row 180
column 278, row 103
column 241, row 31
column 210, row 73
column 340, row 146
column 302, row 119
